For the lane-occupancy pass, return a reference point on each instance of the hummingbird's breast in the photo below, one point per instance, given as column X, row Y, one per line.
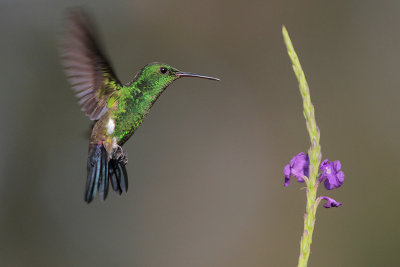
column 126, row 118
column 131, row 108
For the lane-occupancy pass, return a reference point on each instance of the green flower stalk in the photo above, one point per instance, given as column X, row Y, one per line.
column 314, row 153
column 308, row 168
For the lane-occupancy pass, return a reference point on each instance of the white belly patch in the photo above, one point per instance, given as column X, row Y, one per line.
column 110, row 126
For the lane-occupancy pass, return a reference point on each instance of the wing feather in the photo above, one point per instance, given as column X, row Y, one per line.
column 86, row 67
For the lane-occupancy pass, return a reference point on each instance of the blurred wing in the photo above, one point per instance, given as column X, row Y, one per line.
column 86, row 67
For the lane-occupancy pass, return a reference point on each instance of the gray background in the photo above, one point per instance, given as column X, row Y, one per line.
column 205, row 169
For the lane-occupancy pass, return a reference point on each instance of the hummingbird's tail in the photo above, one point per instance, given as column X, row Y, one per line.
column 100, row 170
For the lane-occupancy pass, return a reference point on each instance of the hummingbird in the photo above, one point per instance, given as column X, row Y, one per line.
column 117, row 110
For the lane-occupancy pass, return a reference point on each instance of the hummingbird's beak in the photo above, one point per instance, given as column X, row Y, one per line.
column 189, row 74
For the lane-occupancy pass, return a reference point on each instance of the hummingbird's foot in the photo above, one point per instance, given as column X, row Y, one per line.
column 120, row 155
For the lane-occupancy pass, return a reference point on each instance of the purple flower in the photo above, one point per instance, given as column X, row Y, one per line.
column 332, row 174
column 331, row 202
column 298, row 167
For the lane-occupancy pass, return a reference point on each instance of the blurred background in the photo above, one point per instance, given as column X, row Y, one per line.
column 205, row 168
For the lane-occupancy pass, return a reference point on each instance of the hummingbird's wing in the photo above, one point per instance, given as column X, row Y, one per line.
column 87, row 69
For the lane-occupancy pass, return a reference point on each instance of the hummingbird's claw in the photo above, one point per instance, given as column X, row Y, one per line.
column 120, row 155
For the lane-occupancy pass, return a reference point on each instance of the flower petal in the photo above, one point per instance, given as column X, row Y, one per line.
column 323, row 163
column 337, row 165
column 331, row 203
column 298, row 167
column 340, row 176
column 332, row 174
column 286, row 172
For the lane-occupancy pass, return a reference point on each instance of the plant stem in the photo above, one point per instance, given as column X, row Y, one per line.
column 314, row 153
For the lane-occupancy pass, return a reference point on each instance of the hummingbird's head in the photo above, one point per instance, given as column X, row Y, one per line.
column 159, row 75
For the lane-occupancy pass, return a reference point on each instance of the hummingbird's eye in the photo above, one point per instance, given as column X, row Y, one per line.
column 163, row 70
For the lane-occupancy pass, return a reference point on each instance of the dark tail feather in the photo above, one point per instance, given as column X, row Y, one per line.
column 100, row 170
column 113, row 176
column 93, row 171
column 97, row 169
column 118, row 176
column 103, row 181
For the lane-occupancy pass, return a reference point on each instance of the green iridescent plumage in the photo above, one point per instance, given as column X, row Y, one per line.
column 136, row 99
column 118, row 110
